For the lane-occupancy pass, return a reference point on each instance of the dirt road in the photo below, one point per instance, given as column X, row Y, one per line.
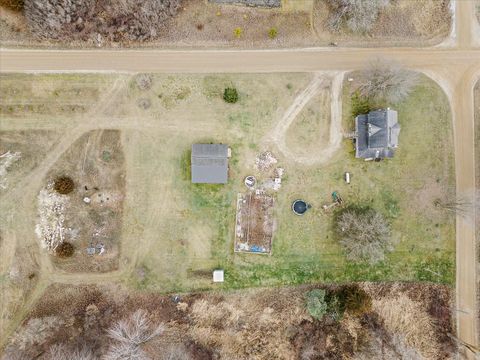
column 456, row 67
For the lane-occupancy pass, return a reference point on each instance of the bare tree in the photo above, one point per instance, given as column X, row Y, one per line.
column 129, row 334
column 358, row 15
column 55, row 19
column 459, row 204
column 143, row 20
column 386, row 81
column 144, row 81
column 12, row 353
column 178, row 352
column 63, row 352
column 364, row 234
column 114, row 20
column 37, row 331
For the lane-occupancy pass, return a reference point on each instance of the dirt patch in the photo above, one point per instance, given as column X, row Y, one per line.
column 89, row 217
column 254, row 223
column 260, row 324
column 428, row 196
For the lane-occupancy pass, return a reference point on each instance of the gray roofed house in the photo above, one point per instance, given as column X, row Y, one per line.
column 209, row 163
column 376, row 134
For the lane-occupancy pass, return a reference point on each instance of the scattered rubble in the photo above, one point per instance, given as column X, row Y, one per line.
column 265, row 161
column 6, row 160
column 274, row 183
column 51, row 210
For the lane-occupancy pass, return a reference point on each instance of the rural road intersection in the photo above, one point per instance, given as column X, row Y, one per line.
column 455, row 65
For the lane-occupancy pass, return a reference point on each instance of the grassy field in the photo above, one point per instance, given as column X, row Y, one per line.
column 174, row 233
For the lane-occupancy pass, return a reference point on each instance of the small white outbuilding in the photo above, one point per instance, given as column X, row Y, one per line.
column 217, row 276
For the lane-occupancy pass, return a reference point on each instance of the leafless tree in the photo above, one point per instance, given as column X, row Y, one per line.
column 178, row 352
column 37, row 331
column 386, row 81
column 144, row 81
column 12, row 353
column 459, row 204
column 364, row 234
column 358, row 15
column 56, row 19
column 63, row 352
column 129, row 334
column 143, row 20
column 114, row 20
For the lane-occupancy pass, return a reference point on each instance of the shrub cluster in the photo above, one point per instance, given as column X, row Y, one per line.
column 64, row 250
column 334, row 303
column 316, row 305
column 272, row 33
column 230, row 95
column 63, row 185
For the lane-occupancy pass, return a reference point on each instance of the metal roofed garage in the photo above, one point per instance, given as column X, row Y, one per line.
column 209, row 164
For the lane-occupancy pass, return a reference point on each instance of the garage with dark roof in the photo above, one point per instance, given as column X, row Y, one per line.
column 209, row 163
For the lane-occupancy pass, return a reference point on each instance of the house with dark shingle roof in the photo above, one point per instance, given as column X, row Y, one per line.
column 209, row 163
column 376, row 134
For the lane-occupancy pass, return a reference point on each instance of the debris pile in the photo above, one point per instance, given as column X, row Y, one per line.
column 274, row 183
column 6, row 160
column 265, row 161
column 51, row 210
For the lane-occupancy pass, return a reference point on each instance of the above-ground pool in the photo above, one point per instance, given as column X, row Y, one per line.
column 299, row 207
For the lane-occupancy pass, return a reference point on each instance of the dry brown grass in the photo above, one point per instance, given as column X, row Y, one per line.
column 430, row 17
column 408, row 318
column 248, row 324
column 204, row 23
column 244, row 326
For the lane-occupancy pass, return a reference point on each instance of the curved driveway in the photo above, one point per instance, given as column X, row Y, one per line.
column 455, row 67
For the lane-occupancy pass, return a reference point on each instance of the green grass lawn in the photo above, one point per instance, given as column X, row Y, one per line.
column 402, row 189
column 304, row 248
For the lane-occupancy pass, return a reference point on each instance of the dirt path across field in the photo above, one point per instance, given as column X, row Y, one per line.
column 25, row 191
column 278, row 135
column 455, row 67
